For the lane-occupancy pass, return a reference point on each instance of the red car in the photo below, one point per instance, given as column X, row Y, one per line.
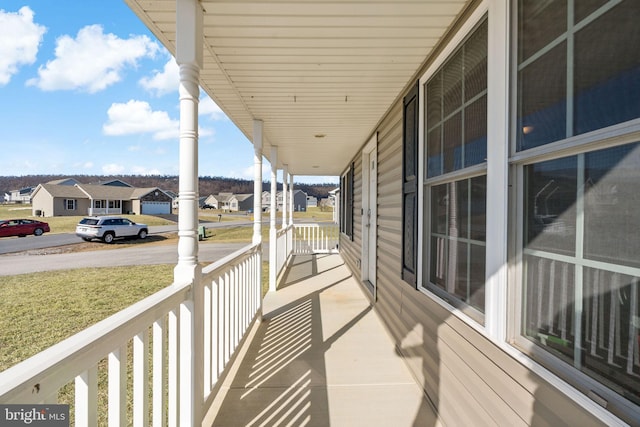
column 22, row 227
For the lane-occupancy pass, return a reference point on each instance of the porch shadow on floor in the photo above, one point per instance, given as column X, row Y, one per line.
column 321, row 357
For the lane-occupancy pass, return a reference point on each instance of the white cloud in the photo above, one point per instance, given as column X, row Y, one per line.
column 137, row 117
column 112, row 169
column 85, row 165
column 165, row 81
column 142, row 170
column 92, row 61
column 20, row 38
column 207, row 107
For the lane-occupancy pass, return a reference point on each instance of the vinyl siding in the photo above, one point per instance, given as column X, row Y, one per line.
column 351, row 249
column 469, row 380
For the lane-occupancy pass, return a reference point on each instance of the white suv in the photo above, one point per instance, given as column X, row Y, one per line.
column 108, row 228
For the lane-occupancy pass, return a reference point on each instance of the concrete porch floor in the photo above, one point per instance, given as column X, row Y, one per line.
column 321, row 357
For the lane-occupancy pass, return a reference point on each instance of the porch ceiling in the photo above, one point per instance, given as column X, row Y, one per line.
column 319, row 74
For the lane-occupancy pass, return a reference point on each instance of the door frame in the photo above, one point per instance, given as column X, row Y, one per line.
column 369, row 202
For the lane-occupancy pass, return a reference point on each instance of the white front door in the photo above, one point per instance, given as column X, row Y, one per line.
column 369, row 214
column 372, row 215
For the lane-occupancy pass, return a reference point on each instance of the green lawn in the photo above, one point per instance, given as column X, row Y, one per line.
column 40, row 309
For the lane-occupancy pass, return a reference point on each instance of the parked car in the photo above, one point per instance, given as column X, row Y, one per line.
column 22, row 227
column 108, row 228
column 206, row 206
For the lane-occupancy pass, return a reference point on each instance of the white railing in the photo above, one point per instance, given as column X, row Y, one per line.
column 232, row 299
column 315, row 238
column 283, row 248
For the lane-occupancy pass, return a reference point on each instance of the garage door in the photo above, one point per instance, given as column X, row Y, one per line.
column 154, row 208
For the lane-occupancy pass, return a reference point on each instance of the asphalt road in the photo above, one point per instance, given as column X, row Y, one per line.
column 11, row 264
column 48, row 240
column 15, row 258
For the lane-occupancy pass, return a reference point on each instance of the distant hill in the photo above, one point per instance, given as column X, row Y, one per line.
column 208, row 185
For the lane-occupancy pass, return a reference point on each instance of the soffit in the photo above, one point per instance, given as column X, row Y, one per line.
column 309, row 68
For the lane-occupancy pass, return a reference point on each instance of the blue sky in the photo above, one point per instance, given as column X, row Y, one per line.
column 85, row 88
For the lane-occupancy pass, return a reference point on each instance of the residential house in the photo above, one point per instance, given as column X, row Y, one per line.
column 219, row 201
column 312, row 202
column 299, row 200
column 70, row 198
column 22, row 195
column 240, row 202
column 475, row 141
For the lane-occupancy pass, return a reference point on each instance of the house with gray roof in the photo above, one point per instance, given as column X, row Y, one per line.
column 65, row 198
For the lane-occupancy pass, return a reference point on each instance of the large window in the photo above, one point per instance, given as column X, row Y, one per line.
column 455, row 123
column 578, row 71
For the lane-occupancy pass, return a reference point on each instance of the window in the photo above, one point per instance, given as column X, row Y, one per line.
column 577, row 77
column 410, row 166
column 99, row 204
column 114, row 204
column 70, row 204
column 578, row 71
column 455, row 188
column 346, row 203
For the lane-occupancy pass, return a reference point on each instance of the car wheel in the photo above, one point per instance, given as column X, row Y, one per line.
column 108, row 237
column 38, row 232
column 142, row 234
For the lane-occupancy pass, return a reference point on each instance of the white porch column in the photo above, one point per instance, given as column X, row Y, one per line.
column 291, row 200
column 273, row 253
column 285, row 205
column 497, row 171
column 257, row 181
column 189, row 57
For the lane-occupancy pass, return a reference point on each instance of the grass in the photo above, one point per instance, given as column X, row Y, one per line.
column 41, row 309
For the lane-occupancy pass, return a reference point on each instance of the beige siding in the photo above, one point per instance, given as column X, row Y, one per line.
column 467, row 378
column 352, row 250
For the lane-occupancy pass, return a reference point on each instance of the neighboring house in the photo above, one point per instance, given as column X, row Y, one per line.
column 299, row 200
column 22, row 195
column 240, row 202
column 312, row 202
column 71, row 199
column 230, row 202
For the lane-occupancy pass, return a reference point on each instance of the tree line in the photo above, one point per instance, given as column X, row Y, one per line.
column 207, row 184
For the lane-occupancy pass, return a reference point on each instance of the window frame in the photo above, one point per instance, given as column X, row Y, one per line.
column 459, row 308
column 572, row 145
column 74, row 204
column 346, row 202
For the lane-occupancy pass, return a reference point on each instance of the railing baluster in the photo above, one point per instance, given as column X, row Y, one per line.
column 86, row 399
column 208, row 334
column 117, row 413
column 159, row 376
column 141, row 379
column 174, row 362
column 214, row 340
